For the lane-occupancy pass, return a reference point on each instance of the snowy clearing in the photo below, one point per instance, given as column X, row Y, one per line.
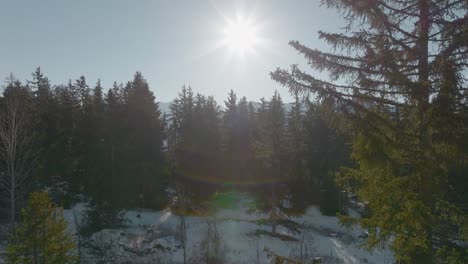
column 151, row 237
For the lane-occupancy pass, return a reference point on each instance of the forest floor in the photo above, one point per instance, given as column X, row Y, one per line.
column 239, row 234
column 3, row 240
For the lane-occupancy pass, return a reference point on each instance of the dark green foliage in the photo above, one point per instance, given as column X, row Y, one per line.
column 142, row 146
column 117, row 149
column 194, row 137
column 266, row 149
column 325, row 153
column 270, row 145
column 237, row 145
column 109, row 147
column 42, row 237
column 101, row 215
column 397, row 87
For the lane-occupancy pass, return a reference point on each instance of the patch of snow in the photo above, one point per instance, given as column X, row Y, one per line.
column 151, row 236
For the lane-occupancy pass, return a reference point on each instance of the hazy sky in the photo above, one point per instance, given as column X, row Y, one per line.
column 171, row 42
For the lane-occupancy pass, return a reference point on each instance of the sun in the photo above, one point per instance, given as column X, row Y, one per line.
column 241, row 36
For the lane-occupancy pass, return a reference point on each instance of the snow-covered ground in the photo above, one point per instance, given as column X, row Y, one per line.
column 150, row 237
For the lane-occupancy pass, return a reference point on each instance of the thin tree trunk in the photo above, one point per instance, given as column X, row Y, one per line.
column 258, row 254
column 12, row 200
column 185, row 240
column 423, row 68
column 78, row 235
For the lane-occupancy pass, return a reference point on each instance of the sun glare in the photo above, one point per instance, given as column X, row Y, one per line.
column 241, row 36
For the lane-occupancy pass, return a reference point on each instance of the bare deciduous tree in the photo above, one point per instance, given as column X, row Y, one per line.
column 16, row 139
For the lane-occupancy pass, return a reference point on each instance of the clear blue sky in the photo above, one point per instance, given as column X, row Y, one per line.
column 170, row 42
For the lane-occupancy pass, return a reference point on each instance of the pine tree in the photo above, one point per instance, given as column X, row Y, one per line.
column 325, row 153
column 98, row 101
column 296, row 151
column 144, row 144
column 180, row 138
column 206, row 127
column 244, row 139
column 84, row 92
column 85, row 150
column 212, row 123
column 276, row 124
column 42, row 237
column 41, row 86
column 64, row 150
column 295, row 133
column 271, row 152
column 230, row 127
column 109, row 182
column 94, row 159
column 396, row 76
column 262, row 142
column 46, row 116
column 207, row 138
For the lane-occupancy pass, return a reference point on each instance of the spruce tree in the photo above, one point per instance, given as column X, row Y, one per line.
column 98, row 102
column 144, row 144
column 271, row 153
column 66, row 145
column 42, row 237
column 46, row 123
column 207, row 138
column 325, row 152
column 85, row 150
column 110, row 183
column 397, row 76
column 230, row 127
column 262, row 141
column 180, row 138
column 296, row 150
column 276, row 124
column 244, row 139
column 95, row 156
